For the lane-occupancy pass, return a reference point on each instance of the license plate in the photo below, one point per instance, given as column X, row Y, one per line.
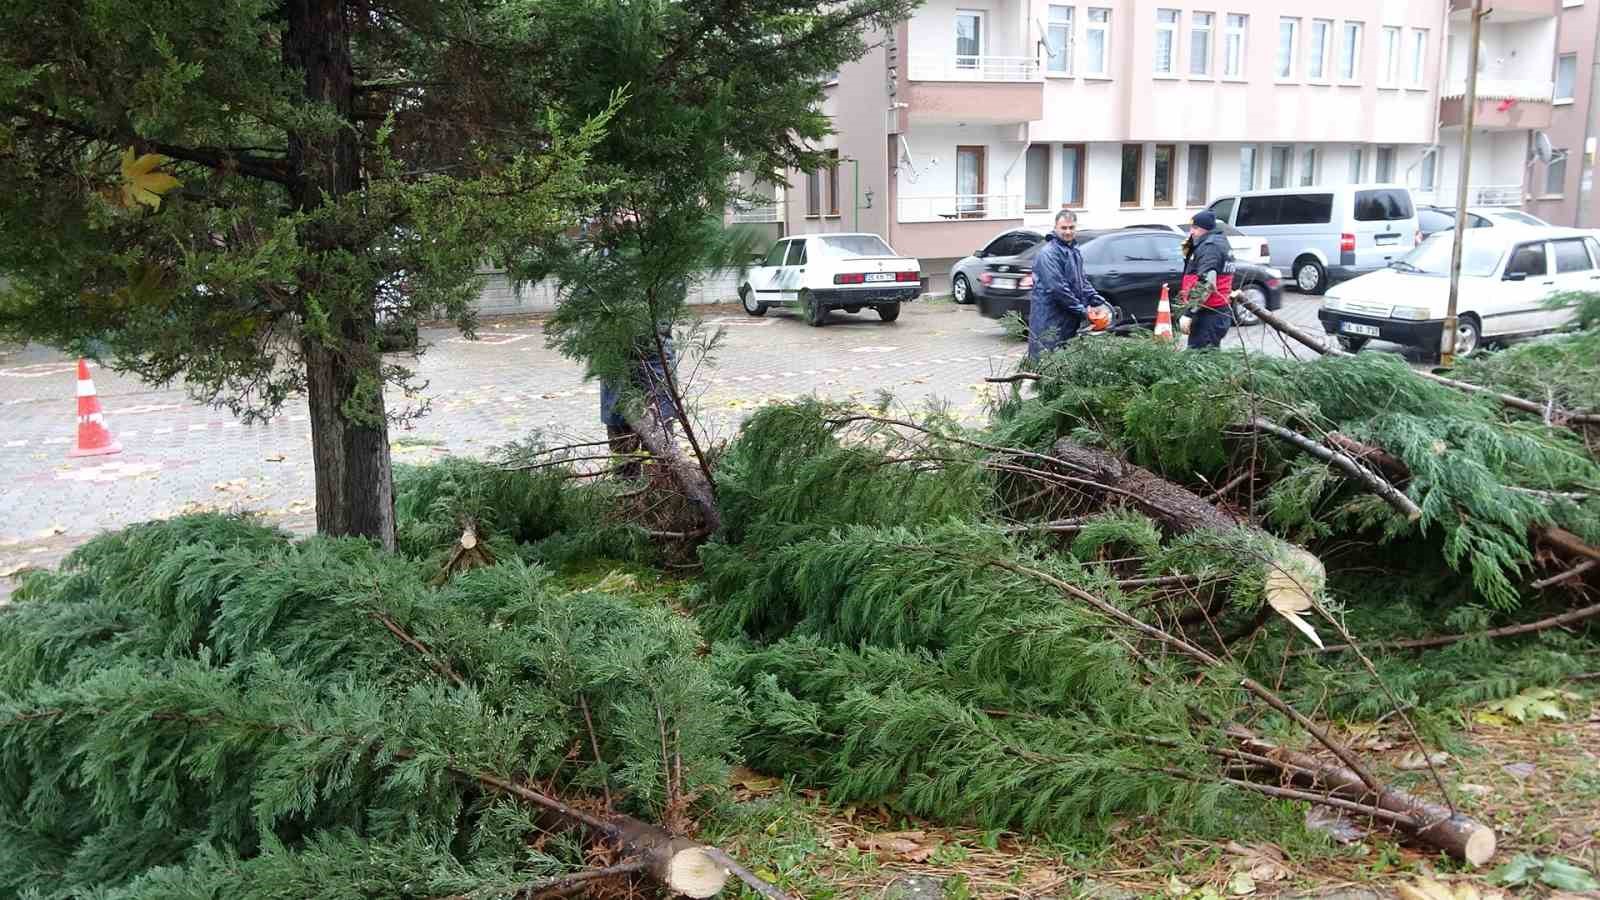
column 1009, row 284
column 1385, row 240
column 1358, row 328
column 880, row 276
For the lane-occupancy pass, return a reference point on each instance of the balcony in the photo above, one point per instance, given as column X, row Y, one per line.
column 947, row 88
column 1503, row 104
column 1507, row 10
column 957, row 207
column 748, row 213
column 1477, row 195
column 944, row 226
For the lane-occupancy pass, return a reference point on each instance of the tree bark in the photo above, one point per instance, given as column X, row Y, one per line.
column 349, row 428
column 1177, row 508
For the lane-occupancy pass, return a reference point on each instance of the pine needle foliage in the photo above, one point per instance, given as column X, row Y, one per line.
column 1185, row 415
column 258, row 706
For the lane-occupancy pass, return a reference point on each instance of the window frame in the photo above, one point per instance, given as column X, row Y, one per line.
column 1555, row 254
column 814, row 194
column 982, row 16
column 1230, row 31
column 1310, row 163
column 1322, row 48
column 1255, row 166
column 1359, row 164
column 1419, row 58
column 1044, row 194
column 1169, row 31
column 1558, row 164
column 1389, row 61
column 1208, row 30
column 1077, row 176
column 833, row 186
column 982, row 153
column 1068, row 24
column 1090, row 26
column 1428, row 171
column 1572, row 86
column 1155, row 176
column 1284, row 63
column 1189, row 175
column 1138, row 180
column 1353, row 45
column 767, row 262
column 1377, row 163
column 796, row 244
column 1284, row 152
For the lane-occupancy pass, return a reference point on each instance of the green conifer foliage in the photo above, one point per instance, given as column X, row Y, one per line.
column 254, row 707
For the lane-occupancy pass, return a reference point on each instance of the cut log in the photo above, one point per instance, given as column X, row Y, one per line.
column 1175, row 507
column 686, row 867
column 688, row 474
column 1428, row 822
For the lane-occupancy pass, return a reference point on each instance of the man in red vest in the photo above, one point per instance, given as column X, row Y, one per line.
column 1207, row 282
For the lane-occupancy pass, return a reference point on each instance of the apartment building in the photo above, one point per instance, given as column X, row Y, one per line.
column 980, row 115
column 1564, row 189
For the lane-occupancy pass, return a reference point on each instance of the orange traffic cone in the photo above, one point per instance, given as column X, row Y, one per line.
column 94, row 439
column 1164, row 317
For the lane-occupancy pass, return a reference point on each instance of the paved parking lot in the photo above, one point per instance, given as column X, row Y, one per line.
column 181, row 455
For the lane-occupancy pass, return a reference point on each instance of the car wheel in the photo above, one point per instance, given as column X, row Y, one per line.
column 816, row 314
column 961, row 290
column 747, row 297
column 1309, row 275
column 1469, row 336
column 1242, row 316
column 889, row 311
column 1351, row 344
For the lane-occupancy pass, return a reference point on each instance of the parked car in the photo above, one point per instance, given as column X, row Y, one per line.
column 1324, row 235
column 821, row 272
column 1006, row 247
column 1433, row 219
column 1506, row 271
column 1128, row 268
column 1245, row 248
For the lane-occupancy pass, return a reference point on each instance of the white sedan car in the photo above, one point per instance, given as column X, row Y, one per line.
column 822, row 272
column 1506, row 273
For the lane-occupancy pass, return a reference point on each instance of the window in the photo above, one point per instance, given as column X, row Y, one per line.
column 1200, row 43
column 775, row 255
column 1385, row 164
column 1038, row 177
column 1527, row 259
column 1058, row 40
column 1430, row 161
column 1278, row 163
column 1358, row 159
column 1072, row 156
column 1555, row 175
column 814, row 193
column 1350, row 51
column 1383, row 205
column 1247, row 168
column 1165, row 156
column 1391, row 57
column 1308, row 167
column 1199, row 174
column 833, row 182
column 1223, row 209
column 1233, row 46
column 1419, row 55
column 1258, row 211
column 1317, row 50
column 1166, row 41
column 969, row 38
column 1098, row 42
column 1571, row 256
column 970, row 179
column 1288, row 31
column 1566, row 77
column 1305, row 209
column 797, row 253
column 1132, row 163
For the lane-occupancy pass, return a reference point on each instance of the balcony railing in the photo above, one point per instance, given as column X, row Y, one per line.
column 1477, row 195
column 955, row 67
column 1528, row 89
column 756, row 213
column 956, row 207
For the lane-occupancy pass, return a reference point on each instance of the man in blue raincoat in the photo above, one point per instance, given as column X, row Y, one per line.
column 1062, row 293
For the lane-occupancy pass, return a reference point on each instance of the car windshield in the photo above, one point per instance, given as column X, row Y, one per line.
column 1522, row 218
column 1432, row 256
column 855, row 245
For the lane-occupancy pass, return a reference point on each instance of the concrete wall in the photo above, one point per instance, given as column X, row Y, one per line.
column 499, row 299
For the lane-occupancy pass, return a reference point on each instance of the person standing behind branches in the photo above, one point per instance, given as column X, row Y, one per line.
column 1207, row 282
column 1062, row 293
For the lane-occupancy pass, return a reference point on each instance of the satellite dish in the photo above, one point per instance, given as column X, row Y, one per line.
column 1543, row 151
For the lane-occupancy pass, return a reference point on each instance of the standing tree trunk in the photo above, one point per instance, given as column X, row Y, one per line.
column 344, row 384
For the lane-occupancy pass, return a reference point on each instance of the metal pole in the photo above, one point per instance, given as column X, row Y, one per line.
column 1447, row 340
column 855, row 165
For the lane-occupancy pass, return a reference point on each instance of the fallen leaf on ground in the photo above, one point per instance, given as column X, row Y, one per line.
column 1416, row 759
column 906, row 845
column 1534, row 704
column 1262, row 862
column 1520, row 770
column 1335, row 825
column 753, row 782
column 1428, row 889
column 1241, row 884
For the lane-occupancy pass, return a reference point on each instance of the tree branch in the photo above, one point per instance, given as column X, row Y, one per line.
column 1566, row 618
column 1371, row 479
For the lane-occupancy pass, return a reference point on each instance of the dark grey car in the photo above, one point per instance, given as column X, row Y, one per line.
column 1006, row 247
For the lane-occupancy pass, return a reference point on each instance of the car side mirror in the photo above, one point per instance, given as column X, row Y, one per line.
column 978, row 253
column 1516, row 276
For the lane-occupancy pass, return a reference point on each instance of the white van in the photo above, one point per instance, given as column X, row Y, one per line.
column 1326, row 234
